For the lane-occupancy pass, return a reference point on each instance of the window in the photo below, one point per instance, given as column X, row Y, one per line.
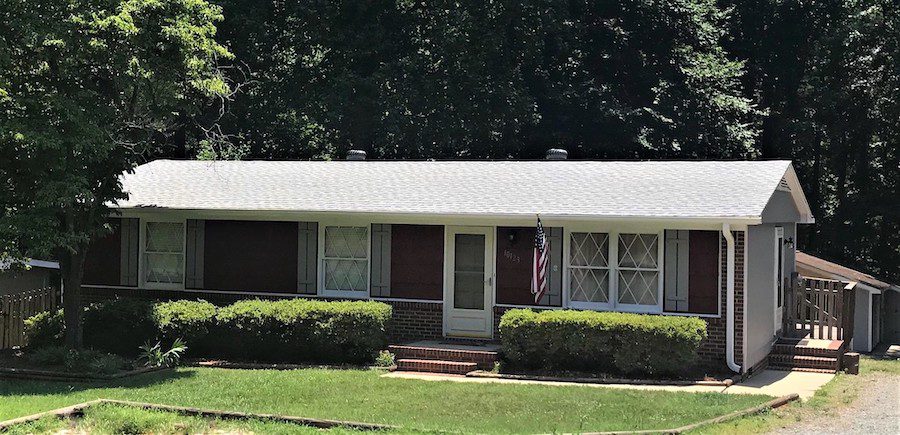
column 164, row 254
column 346, row 261
column 614, row 271
column 638, row 269
column 589, row 267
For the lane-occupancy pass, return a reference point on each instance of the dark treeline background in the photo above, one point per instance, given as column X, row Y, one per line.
column 817, row 82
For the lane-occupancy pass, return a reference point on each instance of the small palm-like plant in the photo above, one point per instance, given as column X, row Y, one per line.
column 152, row 355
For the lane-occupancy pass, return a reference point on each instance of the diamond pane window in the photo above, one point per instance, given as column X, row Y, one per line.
column 164, row 253
column 638, row 275
column 589, row 267
column 346, row 258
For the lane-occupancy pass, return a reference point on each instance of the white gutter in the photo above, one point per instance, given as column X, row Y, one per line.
column 729, row 297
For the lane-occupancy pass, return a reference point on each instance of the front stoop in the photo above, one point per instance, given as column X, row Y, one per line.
column 442, row 359
column 435, row 366
column 819, row 356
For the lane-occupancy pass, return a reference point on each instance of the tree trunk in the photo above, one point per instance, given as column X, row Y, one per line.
column 72, row 271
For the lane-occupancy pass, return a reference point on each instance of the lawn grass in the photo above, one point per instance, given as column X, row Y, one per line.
column 364, row 396
column 840, row 391
column 114, row 419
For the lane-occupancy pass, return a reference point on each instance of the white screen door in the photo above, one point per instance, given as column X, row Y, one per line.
column 469, row 282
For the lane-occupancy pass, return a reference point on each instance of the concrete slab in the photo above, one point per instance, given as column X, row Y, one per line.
column 468, row 345
column 461, row 378
column 779, row 383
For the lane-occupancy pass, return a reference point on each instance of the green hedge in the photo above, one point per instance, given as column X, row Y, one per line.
column 630, row 344
column 295, row 330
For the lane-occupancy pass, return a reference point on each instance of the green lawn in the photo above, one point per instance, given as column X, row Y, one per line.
column 361, row 395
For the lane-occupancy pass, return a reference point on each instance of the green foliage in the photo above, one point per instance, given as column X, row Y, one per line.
column 283, row 331
column 76, row 361
column 303, row 330
column 44, row 329
column 385, row 359
column 189, row 321
column 631, row 344
column 119, row 326
column 153, row 355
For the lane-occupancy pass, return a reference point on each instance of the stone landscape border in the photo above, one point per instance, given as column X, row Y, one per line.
column 588, row 380
column 78, row 409
column 51, row 375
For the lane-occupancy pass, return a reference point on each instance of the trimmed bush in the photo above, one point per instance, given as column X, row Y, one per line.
column 293, row 330
column 190, row 321
column 607, row 342
column 303, row 330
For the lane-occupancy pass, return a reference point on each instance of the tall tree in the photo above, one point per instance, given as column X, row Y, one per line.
column 475, row 79
column 86, row 87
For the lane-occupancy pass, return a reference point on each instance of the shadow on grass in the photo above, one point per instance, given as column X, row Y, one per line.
column 17, row 387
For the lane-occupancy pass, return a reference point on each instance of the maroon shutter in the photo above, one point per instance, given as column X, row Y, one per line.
column 703, row 278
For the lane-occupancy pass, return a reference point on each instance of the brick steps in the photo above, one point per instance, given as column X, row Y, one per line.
column 798, row 355
column 435, row 366
column 800, row 361
column 443, row 359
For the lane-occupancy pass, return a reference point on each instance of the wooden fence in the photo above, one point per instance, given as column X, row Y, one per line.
column 819, row 308
column 16, row 307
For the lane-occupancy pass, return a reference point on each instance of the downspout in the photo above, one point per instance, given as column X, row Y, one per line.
column 729, row 297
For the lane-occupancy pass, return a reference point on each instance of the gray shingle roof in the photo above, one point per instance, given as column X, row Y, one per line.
column 658, row 189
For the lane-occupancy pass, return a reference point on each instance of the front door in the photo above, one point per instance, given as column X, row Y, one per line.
column 469, row 282
column 779, row 278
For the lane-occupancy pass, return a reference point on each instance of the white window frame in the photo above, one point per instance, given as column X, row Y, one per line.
column 142, row 239
column 346, row 294
column 587, row 305
column 613, row 257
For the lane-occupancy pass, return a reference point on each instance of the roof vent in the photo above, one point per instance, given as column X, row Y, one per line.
column 557, row 154
column 356, row 155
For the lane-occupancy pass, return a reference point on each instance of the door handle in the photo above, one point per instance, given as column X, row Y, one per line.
column 489, row 280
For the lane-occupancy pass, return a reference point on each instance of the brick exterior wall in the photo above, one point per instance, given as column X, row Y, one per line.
column 712, row 350
column 416, row 321
column 424, row 320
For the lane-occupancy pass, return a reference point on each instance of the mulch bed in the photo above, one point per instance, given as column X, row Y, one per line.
column 696, row 376
column 252, row 365
column 14, row 364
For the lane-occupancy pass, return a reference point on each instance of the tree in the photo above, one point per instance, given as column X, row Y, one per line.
column 475, row 79
column 86, row 88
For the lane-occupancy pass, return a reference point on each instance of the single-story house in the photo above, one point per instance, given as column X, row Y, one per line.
column 877, row 309
column 31, row 275
column 449, row 243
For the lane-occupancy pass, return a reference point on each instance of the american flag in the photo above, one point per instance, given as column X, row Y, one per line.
column 541, row 257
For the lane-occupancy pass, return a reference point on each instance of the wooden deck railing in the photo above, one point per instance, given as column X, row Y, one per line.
column 16, row 307
column 819, row 308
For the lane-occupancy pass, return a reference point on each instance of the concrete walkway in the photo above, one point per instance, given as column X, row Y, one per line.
column 769, row 382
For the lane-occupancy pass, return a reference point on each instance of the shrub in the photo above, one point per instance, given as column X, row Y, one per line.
column 44, row 329
column 631, row 344
column 119, row 326
column 281, row 331
column 385, row 359
column 190, row 321
column 303, row 330
column 78, row 361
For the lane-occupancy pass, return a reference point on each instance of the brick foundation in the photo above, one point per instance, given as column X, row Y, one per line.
column 416, row 321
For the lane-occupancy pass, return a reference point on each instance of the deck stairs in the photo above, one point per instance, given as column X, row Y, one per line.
column 444, row 357
column 806, row 355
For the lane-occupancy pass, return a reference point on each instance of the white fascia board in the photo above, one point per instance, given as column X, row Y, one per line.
column 799, row 196
column 448, row 218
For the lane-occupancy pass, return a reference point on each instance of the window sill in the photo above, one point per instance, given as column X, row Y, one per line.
column 345, row 294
